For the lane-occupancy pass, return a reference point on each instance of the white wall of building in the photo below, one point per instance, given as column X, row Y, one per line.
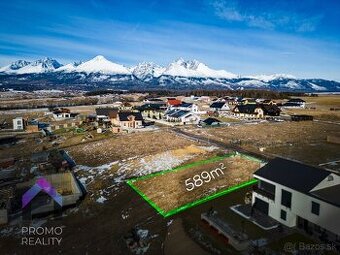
column 18, row 123
column 301, row 205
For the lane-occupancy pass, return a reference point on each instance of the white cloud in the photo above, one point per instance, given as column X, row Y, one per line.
column 230, row 10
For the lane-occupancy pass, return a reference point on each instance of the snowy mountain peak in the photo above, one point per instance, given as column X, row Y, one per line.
column 14, row 66
column 71, row 67
column 19, row 64
column 47, row 63
column 100, row 64
column 194, row 68
column 271, row 77
column 39, row 66
column 147, row 70
column 99, row 58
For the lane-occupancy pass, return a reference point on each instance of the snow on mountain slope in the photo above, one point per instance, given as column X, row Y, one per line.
column 40, row 66
column 100, row 64
column 252, row 83
column 317, row 87
column 145, row 69
column 195, row 68
column 14, row 66
column 267, row 78
column 292, row 85
column 71, row 67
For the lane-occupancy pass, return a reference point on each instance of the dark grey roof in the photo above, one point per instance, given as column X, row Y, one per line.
column 296, row 100
column 171, row 111
column 123, row 116
column 270, row 109
column 291, row 104
column 178, row 114
column 218, row 105
column 185, row 105
column 294, row 175
column 210, row 121
column 247, row 108
column 330, row 194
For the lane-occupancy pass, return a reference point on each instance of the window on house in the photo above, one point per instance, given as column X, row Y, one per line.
column 283, row 215
column 315, row 208
column 286, row 198
column 267, row 187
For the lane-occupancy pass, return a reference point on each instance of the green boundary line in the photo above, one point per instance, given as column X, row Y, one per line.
column 199, row 201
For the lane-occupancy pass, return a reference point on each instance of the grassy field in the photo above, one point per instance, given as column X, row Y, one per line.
column 305, row 141
column 125, row 146
column 169, row 191
column 319, row 107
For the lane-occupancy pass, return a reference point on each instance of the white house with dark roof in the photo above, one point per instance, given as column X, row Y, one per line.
column 186, row 107
column 295, row 103
column 298, row 195
column 182, row 117
column 219, row 106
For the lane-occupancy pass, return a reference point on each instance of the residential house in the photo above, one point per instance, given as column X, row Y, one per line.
column 106, row 115
column 19, row 123
column 153, row 101
column 270, row 109
column 182, row 117
column 65, row 184
column 256, row 111
column 295, row 103
column 233, row 100
column 173, row 102
column 219, row 107
column 129, row 120
column 301, row 117
column 246, row 101
column 210, row 122
column 61, row 113
column 250, row 111
column 298, row 195
column 153, row 110
column 186, row 107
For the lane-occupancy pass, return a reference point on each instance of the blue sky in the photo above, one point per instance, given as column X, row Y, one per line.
column 301, row 38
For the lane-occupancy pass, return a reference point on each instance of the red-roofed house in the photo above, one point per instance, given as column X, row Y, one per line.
column 173, row 102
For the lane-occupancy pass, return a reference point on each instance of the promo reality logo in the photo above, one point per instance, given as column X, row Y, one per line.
column 41, row 185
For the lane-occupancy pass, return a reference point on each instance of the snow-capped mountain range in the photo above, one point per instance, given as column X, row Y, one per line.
column 180, row 74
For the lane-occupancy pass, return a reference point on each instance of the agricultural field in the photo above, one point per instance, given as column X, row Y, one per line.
column 298, row 140
column 172, row 189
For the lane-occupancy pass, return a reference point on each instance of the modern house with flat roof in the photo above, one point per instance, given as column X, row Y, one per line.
column 298, row 195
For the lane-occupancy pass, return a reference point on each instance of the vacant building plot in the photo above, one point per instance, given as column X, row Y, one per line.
column 126, row 146
column 175, row 190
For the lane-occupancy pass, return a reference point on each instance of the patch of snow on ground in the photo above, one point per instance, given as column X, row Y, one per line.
column 101, row 200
